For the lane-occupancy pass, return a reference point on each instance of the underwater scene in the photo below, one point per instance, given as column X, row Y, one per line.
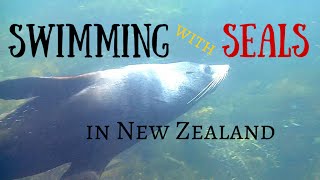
column 255, row 91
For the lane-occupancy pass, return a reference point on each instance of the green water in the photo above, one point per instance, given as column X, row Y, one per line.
column 283, row 93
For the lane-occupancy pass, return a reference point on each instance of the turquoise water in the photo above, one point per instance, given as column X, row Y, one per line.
column 283, row 93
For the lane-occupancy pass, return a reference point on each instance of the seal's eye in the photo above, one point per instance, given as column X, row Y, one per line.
column 189, row 72
column 207, row 69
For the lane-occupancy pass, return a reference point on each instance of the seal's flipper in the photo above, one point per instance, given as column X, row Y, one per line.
column 41, row 86
column 87, row 175
column 86, row 169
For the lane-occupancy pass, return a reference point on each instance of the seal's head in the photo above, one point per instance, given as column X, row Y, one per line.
column 175, row 85
column 188, row 82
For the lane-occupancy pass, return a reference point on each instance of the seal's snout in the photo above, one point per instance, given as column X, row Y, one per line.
column 220, row 70
column 218, row 73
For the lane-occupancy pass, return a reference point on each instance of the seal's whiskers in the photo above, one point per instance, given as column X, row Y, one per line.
column 209, row 87
column 201, row 93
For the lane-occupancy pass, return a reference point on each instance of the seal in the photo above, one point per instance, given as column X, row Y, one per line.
column 50, row 128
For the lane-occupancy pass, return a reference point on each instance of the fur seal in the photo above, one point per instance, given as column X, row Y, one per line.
column 50, row 128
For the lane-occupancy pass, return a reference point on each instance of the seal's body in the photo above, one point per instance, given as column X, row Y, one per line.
column 51, row 128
